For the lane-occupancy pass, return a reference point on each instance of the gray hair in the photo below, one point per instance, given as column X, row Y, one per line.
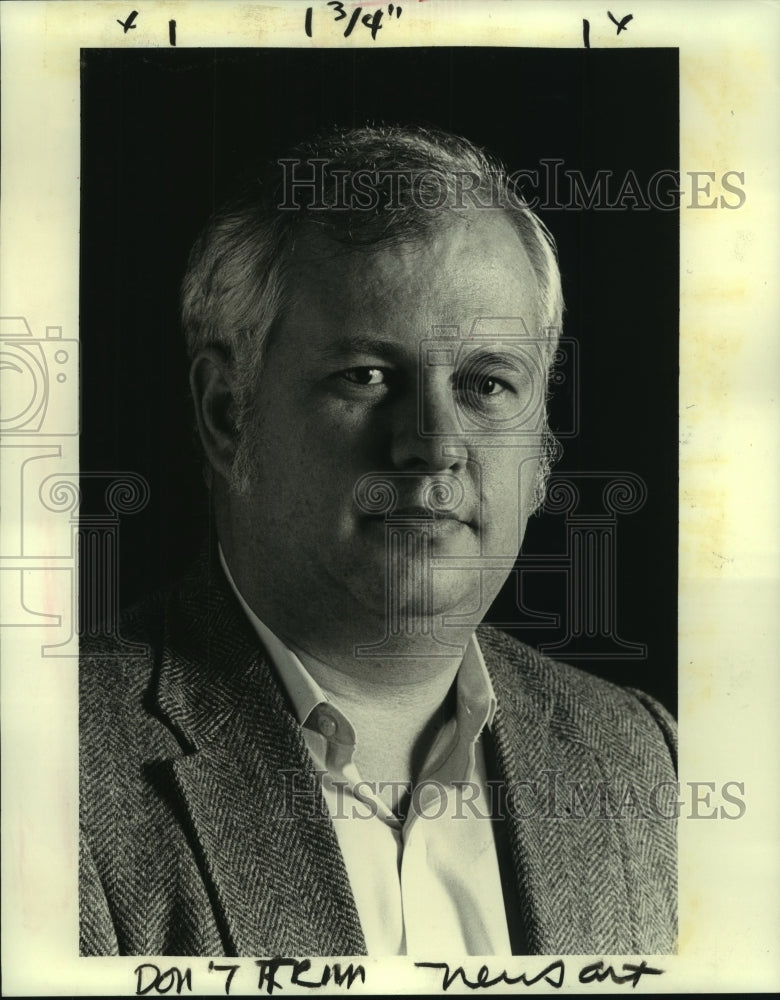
column 366, row 188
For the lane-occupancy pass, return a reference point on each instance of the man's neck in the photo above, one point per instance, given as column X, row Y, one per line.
column 397, row 701
column 409, row 688
column 395, row 724
column 396, row 697
column 357, row 656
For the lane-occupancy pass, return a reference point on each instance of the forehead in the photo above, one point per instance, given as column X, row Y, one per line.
column 471, row 266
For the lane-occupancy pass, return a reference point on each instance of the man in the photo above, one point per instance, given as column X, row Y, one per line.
column 322, row 754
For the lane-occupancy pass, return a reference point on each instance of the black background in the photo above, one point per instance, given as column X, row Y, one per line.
column 165, row 134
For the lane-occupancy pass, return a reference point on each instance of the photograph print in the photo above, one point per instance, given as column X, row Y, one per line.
column 378, row 531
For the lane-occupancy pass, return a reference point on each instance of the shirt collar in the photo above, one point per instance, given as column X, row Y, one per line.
column 476, row 700
column 304, row 692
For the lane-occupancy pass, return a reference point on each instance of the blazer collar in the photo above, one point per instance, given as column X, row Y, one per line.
column 277, row 883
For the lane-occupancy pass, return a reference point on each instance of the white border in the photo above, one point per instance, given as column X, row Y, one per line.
column 730, row 259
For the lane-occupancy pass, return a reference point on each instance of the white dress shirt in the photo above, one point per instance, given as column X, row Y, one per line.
column 428, row 884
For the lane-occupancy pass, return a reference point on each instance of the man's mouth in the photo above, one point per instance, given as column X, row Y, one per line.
column 420, row 513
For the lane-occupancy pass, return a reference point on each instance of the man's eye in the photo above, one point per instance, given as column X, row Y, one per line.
column 490, row 386
column 365, row 376
column 477, row 386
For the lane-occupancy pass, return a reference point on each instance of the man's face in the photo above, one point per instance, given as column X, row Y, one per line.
column 417, row 367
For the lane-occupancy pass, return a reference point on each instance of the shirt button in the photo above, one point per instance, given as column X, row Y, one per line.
column 327, row 725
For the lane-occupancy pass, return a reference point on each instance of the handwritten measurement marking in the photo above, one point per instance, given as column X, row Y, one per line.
column 372, row 20
column 128, row 24
column 621, row 25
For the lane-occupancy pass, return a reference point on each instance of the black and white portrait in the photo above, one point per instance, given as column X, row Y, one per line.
column 382, row 659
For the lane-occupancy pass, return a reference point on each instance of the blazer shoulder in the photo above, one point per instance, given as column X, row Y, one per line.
column 611, row 718
column 117, row 677
column 124, row 658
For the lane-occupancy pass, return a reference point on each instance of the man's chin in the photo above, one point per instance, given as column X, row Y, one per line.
column 410, row 583
column 404, row 545
column 460, row 592
column 444, row 592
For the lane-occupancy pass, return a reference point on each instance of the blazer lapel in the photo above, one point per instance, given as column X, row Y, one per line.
column 260, row 829
column 568, row 858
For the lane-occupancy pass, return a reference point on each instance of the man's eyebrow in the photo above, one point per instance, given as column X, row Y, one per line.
column 362, row 345
column 509, row 356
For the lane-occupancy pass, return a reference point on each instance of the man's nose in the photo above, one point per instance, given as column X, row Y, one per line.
column 426, row 431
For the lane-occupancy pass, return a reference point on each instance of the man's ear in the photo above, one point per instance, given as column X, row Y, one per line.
column 215, row 405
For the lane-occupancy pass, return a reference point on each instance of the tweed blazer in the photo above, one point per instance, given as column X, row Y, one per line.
column 187, row 741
